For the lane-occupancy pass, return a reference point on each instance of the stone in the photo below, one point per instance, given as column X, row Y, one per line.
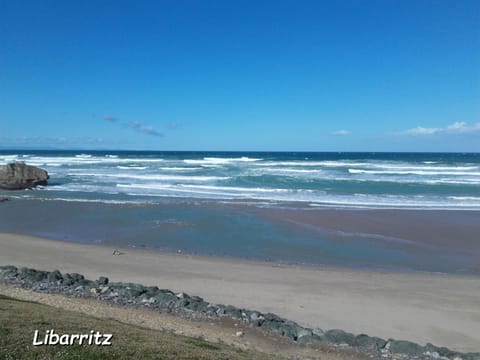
column 54, row 276
column 102, row 280
column 149, row 301
column 233, row 312
column 308, row 339
column 151, row 291
column 19, row 176
column 370, row 342
column 405, row 347
column 339, row 337
column 254, row 316
column 9, row 271
column 318, row 332
column 239, row 334
column 33, row 275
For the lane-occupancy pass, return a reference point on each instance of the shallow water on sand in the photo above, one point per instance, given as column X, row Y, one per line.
column 230, row 230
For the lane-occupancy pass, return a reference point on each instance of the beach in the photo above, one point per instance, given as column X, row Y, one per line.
column 421, row 307
column 379, row 244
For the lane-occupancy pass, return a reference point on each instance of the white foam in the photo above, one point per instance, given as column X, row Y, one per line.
column 309, row 196
column 219, row 161
column 131, row 167
column 412, row 172
column 312, row 163
column 180, row 168
column 465, row 198
column 204, row 187
column 288, row 170
column 152, row 176
column 86, row 160
column 422, row 168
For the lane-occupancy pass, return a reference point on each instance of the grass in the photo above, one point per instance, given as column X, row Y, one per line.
column 19, row 319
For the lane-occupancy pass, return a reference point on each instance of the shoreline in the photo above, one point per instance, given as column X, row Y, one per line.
column 420, row 307
column 382, row 240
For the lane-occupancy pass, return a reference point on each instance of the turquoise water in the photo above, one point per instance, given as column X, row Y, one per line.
column 352, row 180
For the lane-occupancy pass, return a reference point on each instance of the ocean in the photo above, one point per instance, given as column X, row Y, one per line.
column 388, row 211
column 339, row 180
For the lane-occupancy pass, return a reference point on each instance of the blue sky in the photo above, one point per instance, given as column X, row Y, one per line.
column 353, row 75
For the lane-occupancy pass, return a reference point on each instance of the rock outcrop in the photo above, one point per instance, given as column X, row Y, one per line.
column 18, row 176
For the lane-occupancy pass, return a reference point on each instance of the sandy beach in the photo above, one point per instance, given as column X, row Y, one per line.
column 421, row 307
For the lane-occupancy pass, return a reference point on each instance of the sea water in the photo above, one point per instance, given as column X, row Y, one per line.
column 215, row 203
column 354, row 180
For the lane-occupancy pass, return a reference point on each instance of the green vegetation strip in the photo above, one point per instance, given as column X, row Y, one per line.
column 18, row 319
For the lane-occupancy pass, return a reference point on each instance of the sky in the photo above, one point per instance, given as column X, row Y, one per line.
column 240, row 75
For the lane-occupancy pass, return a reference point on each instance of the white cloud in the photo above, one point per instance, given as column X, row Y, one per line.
column 459, row 127
column 422, row 131
column 341, row 133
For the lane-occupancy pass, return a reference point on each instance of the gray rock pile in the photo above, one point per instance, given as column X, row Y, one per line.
column 128, row 294
column 18, row 176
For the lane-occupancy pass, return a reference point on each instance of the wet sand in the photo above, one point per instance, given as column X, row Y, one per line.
column 398, row 240
column 448, row 229
column 421, row 307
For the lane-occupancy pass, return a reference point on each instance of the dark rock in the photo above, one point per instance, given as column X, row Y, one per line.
column 339, row 337
column 405, row 347
column 4, row 199
column 318, row 332
column 272, row 322
column 370, row 342
column 302, row 332
column 165, row 297
column 71, row 279
column 18, row 176
column 9, row 271
column 54, row 276
column 233, row 312
column 309, row 339
column 32, row 275
column 182, row 302
column 132, row 290
column 68, row 280
column 87, row 283
column 102, row 280
column 77, row 277
column 289, row 330
column 151, row 291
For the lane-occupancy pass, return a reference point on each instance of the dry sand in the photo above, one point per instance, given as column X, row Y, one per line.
column 437, row 308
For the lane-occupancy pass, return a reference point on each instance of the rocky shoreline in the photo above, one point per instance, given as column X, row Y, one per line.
column 194, row 307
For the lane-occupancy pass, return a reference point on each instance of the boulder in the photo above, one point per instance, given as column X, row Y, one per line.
column 339, row 337
column 405, row 347
column 18, row 176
